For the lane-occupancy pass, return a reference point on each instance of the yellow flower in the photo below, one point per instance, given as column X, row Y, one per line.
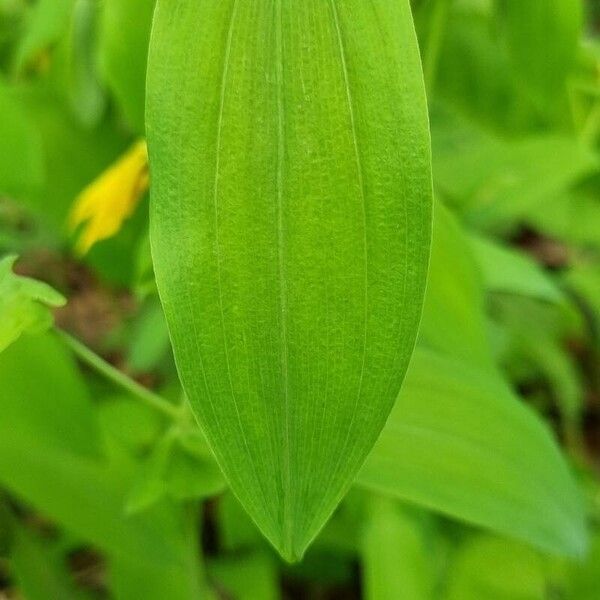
column 107, row 202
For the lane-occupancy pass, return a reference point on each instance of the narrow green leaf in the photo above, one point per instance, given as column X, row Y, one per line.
column 459, row 442
column 21, row 155
column 291, row 218
column 454, row 321
column 123, row 51
column 80, row 67
column 24, row 304
column 543, row 36
column 507, row 270
column 396, row 565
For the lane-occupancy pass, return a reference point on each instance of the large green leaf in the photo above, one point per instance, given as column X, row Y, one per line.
column 291, row 218
column 459, row 442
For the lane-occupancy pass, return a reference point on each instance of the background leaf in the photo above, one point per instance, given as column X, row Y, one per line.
column 493, row 568
column 507, row 475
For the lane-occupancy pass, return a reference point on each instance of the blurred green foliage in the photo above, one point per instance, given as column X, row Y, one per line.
column 485, row 481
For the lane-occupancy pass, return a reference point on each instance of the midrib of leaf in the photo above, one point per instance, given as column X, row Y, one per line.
column 361, row 186
column 288, row 524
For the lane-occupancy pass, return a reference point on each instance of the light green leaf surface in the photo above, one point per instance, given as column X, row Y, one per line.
column 24, row 304
column 474, row 72
column 133, row 424
column 459, row 442
column 395, row 560
column 291, row 217
column 149, row 486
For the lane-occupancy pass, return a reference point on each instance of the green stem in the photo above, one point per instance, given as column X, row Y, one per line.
column 118, row 378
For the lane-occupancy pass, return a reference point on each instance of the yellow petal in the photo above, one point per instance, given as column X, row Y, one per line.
column 106, row 203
